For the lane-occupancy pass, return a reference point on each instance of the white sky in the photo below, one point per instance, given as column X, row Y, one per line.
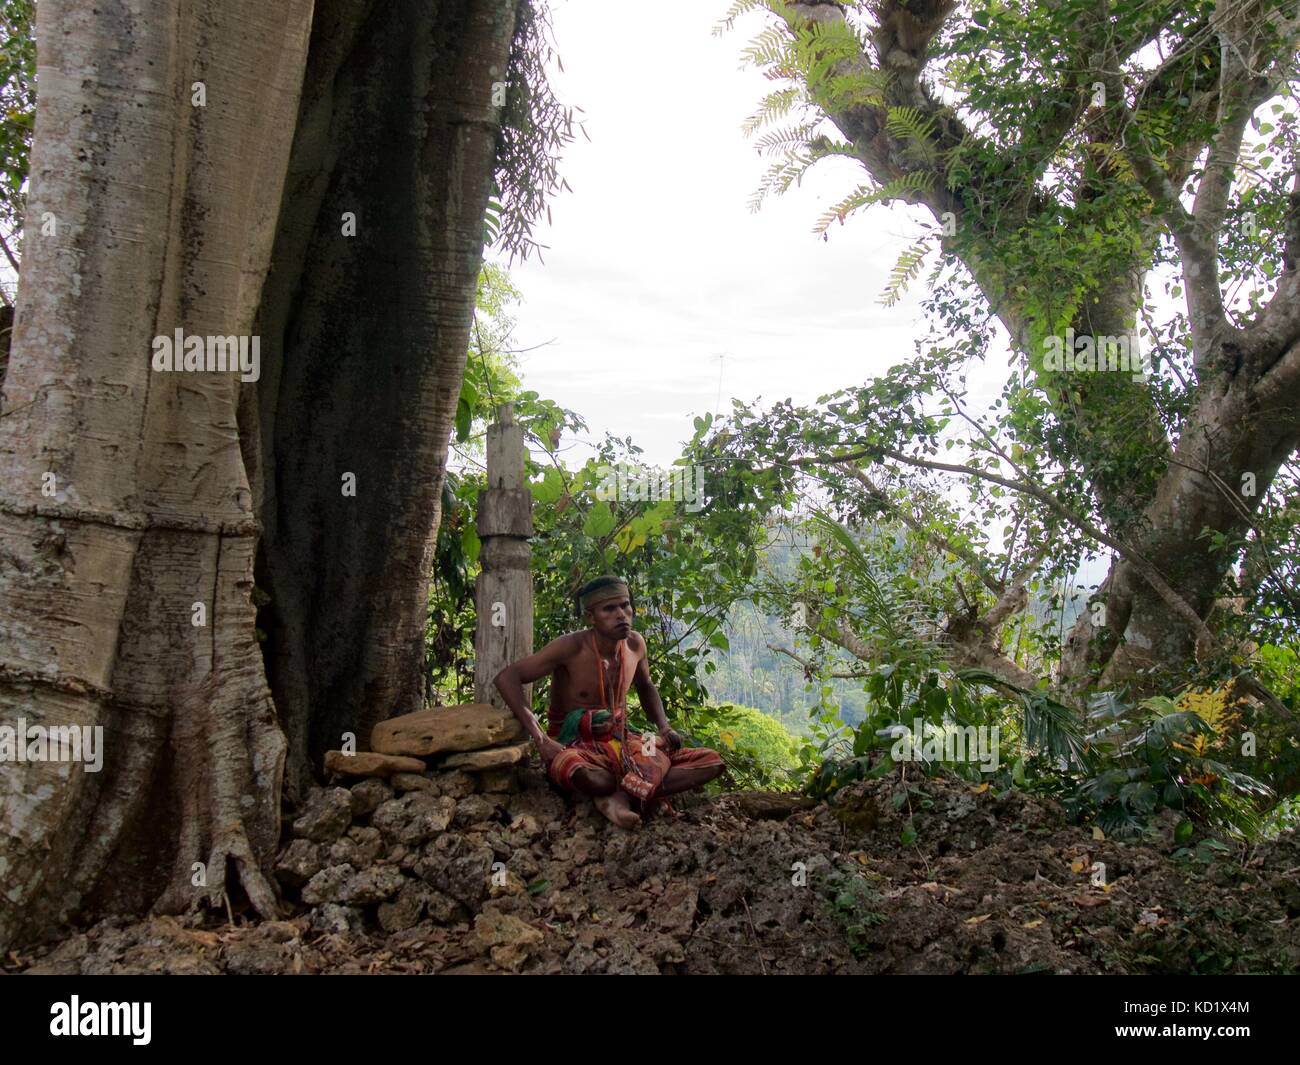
column 656, row 265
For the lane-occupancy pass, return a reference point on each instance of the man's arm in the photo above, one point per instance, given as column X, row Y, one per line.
column 648, row 693
column 511, row 680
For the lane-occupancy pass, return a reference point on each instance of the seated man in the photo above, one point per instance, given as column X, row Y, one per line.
column 588, row 747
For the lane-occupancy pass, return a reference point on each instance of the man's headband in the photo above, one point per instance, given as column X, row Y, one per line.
column 605, row 591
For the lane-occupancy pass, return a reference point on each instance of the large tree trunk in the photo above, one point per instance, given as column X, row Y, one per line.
column 365, row 343
column 1246, row 422
column 165, row 215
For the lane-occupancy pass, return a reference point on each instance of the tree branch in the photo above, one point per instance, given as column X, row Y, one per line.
column 810, row 667
column 1204, row 640
column 936, row 539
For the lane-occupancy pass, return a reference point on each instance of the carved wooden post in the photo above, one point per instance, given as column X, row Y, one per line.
column 503, row 595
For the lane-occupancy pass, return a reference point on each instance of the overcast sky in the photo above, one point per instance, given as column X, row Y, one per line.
column 656, row 265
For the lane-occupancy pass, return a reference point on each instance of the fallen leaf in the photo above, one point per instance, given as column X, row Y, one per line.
column 1090, row 900
column 980, row 789
column 1078, row 865
column 1034, row 923
column 1097, row 833
column 978, row 920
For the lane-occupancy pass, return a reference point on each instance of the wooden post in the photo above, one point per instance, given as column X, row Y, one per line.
column 503, row 595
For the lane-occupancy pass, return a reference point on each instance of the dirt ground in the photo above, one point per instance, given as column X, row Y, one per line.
column 444, row 881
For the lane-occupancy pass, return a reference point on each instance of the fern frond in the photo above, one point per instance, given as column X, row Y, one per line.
column 909, row 123
column 775, row 105
column 905, row 271
column 785, row 140
column 914, row 128
column 906, row 187
column 822, row 46
column 772, row 47
column 780, row 176
column 854, row 90
column 865, row 195
column 743, row 7
column 859, row 197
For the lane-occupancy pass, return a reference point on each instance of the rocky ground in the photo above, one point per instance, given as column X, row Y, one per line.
column 449, row 871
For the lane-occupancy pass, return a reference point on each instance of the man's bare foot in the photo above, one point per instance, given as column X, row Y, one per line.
column 618, row 809
column 659, row 806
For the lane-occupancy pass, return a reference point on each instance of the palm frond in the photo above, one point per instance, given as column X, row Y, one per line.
column 888, row 618
column 1049, row 725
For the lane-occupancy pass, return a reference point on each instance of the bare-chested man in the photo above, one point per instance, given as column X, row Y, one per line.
column 588, row 747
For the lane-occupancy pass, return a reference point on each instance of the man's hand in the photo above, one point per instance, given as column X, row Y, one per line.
column 548, row 749
column 670, row 740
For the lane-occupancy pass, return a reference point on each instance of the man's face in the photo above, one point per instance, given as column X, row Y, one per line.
column 612, row 617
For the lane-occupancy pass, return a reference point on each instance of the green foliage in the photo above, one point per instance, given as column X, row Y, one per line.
column 855, row 906
column 759, row 751
column 17, row 104
column 17, row 119
column 1156, row 756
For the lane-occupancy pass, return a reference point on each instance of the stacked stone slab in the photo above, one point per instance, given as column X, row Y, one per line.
column 477, row 739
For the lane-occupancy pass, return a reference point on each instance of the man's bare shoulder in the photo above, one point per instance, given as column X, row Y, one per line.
column 572, row 643
column 636, row 642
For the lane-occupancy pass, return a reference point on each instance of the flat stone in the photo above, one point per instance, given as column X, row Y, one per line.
column 370, row 764
column 491, row 758
column 772, row 805
column 445, row 728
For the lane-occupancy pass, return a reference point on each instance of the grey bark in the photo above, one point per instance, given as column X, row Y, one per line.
column 366, row 338
column 164, row 217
